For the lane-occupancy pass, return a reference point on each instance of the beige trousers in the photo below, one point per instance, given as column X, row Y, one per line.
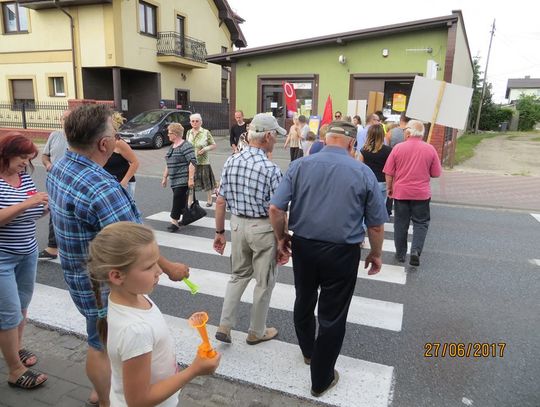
column 253, row 255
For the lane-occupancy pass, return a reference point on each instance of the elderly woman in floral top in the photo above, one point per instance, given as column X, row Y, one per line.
column 203, row 143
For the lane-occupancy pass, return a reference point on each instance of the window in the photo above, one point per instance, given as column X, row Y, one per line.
column 224, row 86
column 147, row 18
column 23, row 91
column 57, row 86
column 15, row 18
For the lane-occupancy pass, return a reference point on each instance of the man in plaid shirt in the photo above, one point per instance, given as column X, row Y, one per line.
column 84, row 198
column 248, row 181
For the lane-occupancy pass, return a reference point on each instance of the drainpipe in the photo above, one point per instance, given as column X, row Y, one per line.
column 72, row 30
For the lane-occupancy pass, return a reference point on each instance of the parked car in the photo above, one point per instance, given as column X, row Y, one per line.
column 150, row 128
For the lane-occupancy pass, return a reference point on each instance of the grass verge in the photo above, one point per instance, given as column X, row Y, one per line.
column 466, row 145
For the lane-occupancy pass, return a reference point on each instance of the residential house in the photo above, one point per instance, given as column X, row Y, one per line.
column 134, row 53
column 350, row 65
column 527, row 86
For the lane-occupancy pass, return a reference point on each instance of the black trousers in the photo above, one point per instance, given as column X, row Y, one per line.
column 333, row 268
column 52, row 238
column 296, row 152
column 179, row 202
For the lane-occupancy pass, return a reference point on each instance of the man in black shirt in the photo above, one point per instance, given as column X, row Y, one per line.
column 237, row 130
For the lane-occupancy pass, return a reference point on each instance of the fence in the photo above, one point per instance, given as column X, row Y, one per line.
column 33, row 115
column 46, row 115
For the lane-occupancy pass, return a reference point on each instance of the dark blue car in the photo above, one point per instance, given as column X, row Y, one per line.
column 150, row 128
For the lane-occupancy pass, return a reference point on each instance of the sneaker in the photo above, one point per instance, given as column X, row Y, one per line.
column 334, row 382
column 270, row 333
column 415, row 259
column 223, row 335
column 399, row 259
column 45, row 255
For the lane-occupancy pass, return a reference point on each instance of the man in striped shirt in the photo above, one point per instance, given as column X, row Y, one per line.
column 248, row 181
column 84, row 198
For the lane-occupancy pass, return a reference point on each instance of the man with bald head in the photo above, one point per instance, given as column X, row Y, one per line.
column 408, row 171
column 326, row 243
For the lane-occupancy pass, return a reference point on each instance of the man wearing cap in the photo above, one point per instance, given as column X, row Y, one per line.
column 326, row 248
column 248, row 181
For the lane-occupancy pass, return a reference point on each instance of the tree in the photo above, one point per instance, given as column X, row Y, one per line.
column 487, row 104
column 491, row 115
column 528, row 107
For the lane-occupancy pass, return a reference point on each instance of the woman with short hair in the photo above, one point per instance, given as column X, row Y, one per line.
column 203, row 143
column 20, row 206
column 180, row 170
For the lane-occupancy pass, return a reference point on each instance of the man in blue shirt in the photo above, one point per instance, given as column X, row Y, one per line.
column 83, row 199
column 329, row 193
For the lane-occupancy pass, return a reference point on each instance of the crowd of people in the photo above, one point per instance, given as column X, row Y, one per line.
column 111, row 262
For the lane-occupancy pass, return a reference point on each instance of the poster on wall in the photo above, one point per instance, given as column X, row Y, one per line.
column 399, row 102
column 314, row 122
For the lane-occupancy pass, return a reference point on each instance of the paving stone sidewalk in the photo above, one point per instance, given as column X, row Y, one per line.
column 62, row 358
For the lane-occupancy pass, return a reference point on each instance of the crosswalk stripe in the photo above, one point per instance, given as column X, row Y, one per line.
column 204, row 245
column 536, row 262
column 209, row 222
column 536, row 216
column 274, row 364
column 362, row 311
column 389, row 273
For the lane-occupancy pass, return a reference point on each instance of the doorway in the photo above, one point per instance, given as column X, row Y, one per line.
column 182, row 98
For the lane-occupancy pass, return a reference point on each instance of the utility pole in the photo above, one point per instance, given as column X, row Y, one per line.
column 485, row 80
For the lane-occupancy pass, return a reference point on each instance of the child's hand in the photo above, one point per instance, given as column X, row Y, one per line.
column 205, row 366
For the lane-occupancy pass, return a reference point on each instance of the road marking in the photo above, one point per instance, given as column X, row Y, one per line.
column 209, row 222
column 536, row 216
column 536, row 262
column 274, row 364
column 363, row 311
column 389, row 273
column 204, row 245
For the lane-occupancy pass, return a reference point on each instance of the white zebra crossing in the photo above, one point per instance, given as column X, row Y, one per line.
column 275, row 364
column 209, row 222
column 362, row 383
column 362, row 311
column 536, row 216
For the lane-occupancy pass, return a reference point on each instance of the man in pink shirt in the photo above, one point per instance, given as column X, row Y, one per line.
column 408, row 170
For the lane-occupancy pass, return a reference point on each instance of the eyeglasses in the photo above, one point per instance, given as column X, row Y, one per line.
column 337, row 116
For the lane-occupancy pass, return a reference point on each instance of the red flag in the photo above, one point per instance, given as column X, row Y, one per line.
column 327, row 116
column 290, row 96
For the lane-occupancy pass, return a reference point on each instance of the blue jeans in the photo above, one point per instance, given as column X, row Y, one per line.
column 17, row 278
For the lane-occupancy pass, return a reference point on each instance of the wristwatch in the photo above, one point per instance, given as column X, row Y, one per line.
column 220, row 232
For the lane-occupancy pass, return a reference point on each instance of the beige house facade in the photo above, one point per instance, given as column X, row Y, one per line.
column 134, row 53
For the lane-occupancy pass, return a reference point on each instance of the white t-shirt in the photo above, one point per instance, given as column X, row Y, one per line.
column 303, row 134
column 133, row 332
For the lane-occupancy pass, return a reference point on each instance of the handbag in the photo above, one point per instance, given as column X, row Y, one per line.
column 193, row 213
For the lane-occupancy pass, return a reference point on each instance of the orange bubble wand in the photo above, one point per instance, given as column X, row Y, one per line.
column 198, row 320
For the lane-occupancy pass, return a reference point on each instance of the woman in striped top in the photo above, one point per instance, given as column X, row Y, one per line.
column 20, row 206
column 180, row 169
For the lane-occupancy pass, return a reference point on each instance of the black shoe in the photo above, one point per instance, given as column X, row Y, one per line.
column 334, row 382
column 45, row 255
column 399, row 259
column 172, row 228
column 415, row 259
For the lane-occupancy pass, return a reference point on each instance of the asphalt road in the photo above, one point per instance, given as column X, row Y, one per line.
column 476, row 285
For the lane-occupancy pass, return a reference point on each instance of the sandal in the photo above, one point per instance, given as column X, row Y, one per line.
column 24, row 355
column 28, row 380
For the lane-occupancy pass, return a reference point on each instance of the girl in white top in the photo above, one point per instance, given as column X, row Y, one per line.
column 138, row 341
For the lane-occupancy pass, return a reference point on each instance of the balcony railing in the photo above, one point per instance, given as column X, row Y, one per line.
column 171, row 43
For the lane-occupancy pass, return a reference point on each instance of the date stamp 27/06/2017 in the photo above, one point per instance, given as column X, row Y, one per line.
column 464, row 350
